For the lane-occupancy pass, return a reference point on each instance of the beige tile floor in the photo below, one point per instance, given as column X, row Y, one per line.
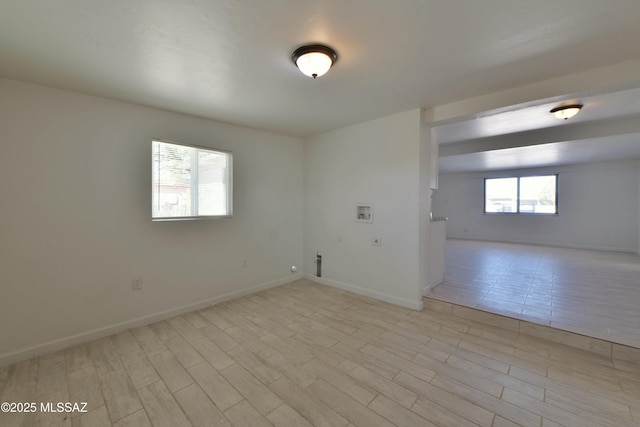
column 592, row 293
column 304, row 354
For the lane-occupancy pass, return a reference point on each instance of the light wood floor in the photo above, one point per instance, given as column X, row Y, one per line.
column 305, row 354
column 592, row 293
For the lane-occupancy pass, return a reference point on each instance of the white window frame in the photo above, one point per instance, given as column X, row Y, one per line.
column 193, row 183
column 518, row 199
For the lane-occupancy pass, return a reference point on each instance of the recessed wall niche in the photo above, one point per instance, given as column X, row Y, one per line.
column 364, row 212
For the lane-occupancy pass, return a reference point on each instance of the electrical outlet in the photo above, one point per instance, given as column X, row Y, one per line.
column 376, row 241
column 136, row 283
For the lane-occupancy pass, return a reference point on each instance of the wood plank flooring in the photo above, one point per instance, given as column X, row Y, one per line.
column 304, row 354
column 592, row 293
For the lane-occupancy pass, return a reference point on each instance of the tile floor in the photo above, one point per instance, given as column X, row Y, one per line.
column 593, row 293
column 304, row 354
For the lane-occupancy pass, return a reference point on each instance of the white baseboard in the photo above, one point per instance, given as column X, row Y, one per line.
column 426, row 289
column 414, row 305
column 70, row 341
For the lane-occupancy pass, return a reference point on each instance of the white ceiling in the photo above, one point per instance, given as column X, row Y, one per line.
column 598, row 107
column 606, row 129
column 229, row 60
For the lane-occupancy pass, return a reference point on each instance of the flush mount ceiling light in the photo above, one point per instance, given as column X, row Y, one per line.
column 566, row 111
column 314, row 60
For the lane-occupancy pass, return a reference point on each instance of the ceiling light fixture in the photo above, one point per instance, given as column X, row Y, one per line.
column 314, row 60
column 566, row 111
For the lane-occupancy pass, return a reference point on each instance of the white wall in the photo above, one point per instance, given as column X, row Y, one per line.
column 598, row 208
column 377, row 162
column 75, row 218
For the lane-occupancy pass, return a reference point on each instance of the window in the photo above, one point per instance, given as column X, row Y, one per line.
column 190, row 182
column 521, row 195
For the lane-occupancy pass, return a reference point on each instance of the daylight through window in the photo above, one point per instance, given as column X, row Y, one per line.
column 190, row 182
column 521, row 195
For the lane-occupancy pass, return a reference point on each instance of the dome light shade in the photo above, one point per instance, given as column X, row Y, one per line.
column 566, row 111
column 314, row 60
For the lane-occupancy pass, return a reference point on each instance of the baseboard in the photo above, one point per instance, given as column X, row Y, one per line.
column 70, row 341
column 414, row 305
